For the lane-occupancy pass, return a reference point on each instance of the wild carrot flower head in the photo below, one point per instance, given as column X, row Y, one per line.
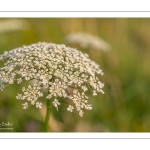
column 55, row 68
column 87, row 41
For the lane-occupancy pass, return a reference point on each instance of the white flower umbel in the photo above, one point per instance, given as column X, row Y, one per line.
column 55, row 68
column 70, row 108
column 56, row 103
column 88, row 41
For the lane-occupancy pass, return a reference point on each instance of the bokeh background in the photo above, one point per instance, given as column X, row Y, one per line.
column 125, row 106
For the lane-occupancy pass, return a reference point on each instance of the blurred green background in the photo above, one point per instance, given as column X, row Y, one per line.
column 125, row 106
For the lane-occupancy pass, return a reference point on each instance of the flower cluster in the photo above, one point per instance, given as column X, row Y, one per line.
column 87, row 41
column 54, row 68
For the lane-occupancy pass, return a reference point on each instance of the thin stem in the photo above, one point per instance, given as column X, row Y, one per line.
column 47, row 127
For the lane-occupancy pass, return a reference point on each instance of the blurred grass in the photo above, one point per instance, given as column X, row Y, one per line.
column 125, row 106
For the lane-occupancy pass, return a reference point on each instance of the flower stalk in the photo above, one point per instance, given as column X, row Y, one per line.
column 47, row 118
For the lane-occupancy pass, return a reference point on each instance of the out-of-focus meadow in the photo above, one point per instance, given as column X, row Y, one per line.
column 125, row 106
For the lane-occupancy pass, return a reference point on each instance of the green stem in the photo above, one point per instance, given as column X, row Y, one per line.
column 47, row 127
